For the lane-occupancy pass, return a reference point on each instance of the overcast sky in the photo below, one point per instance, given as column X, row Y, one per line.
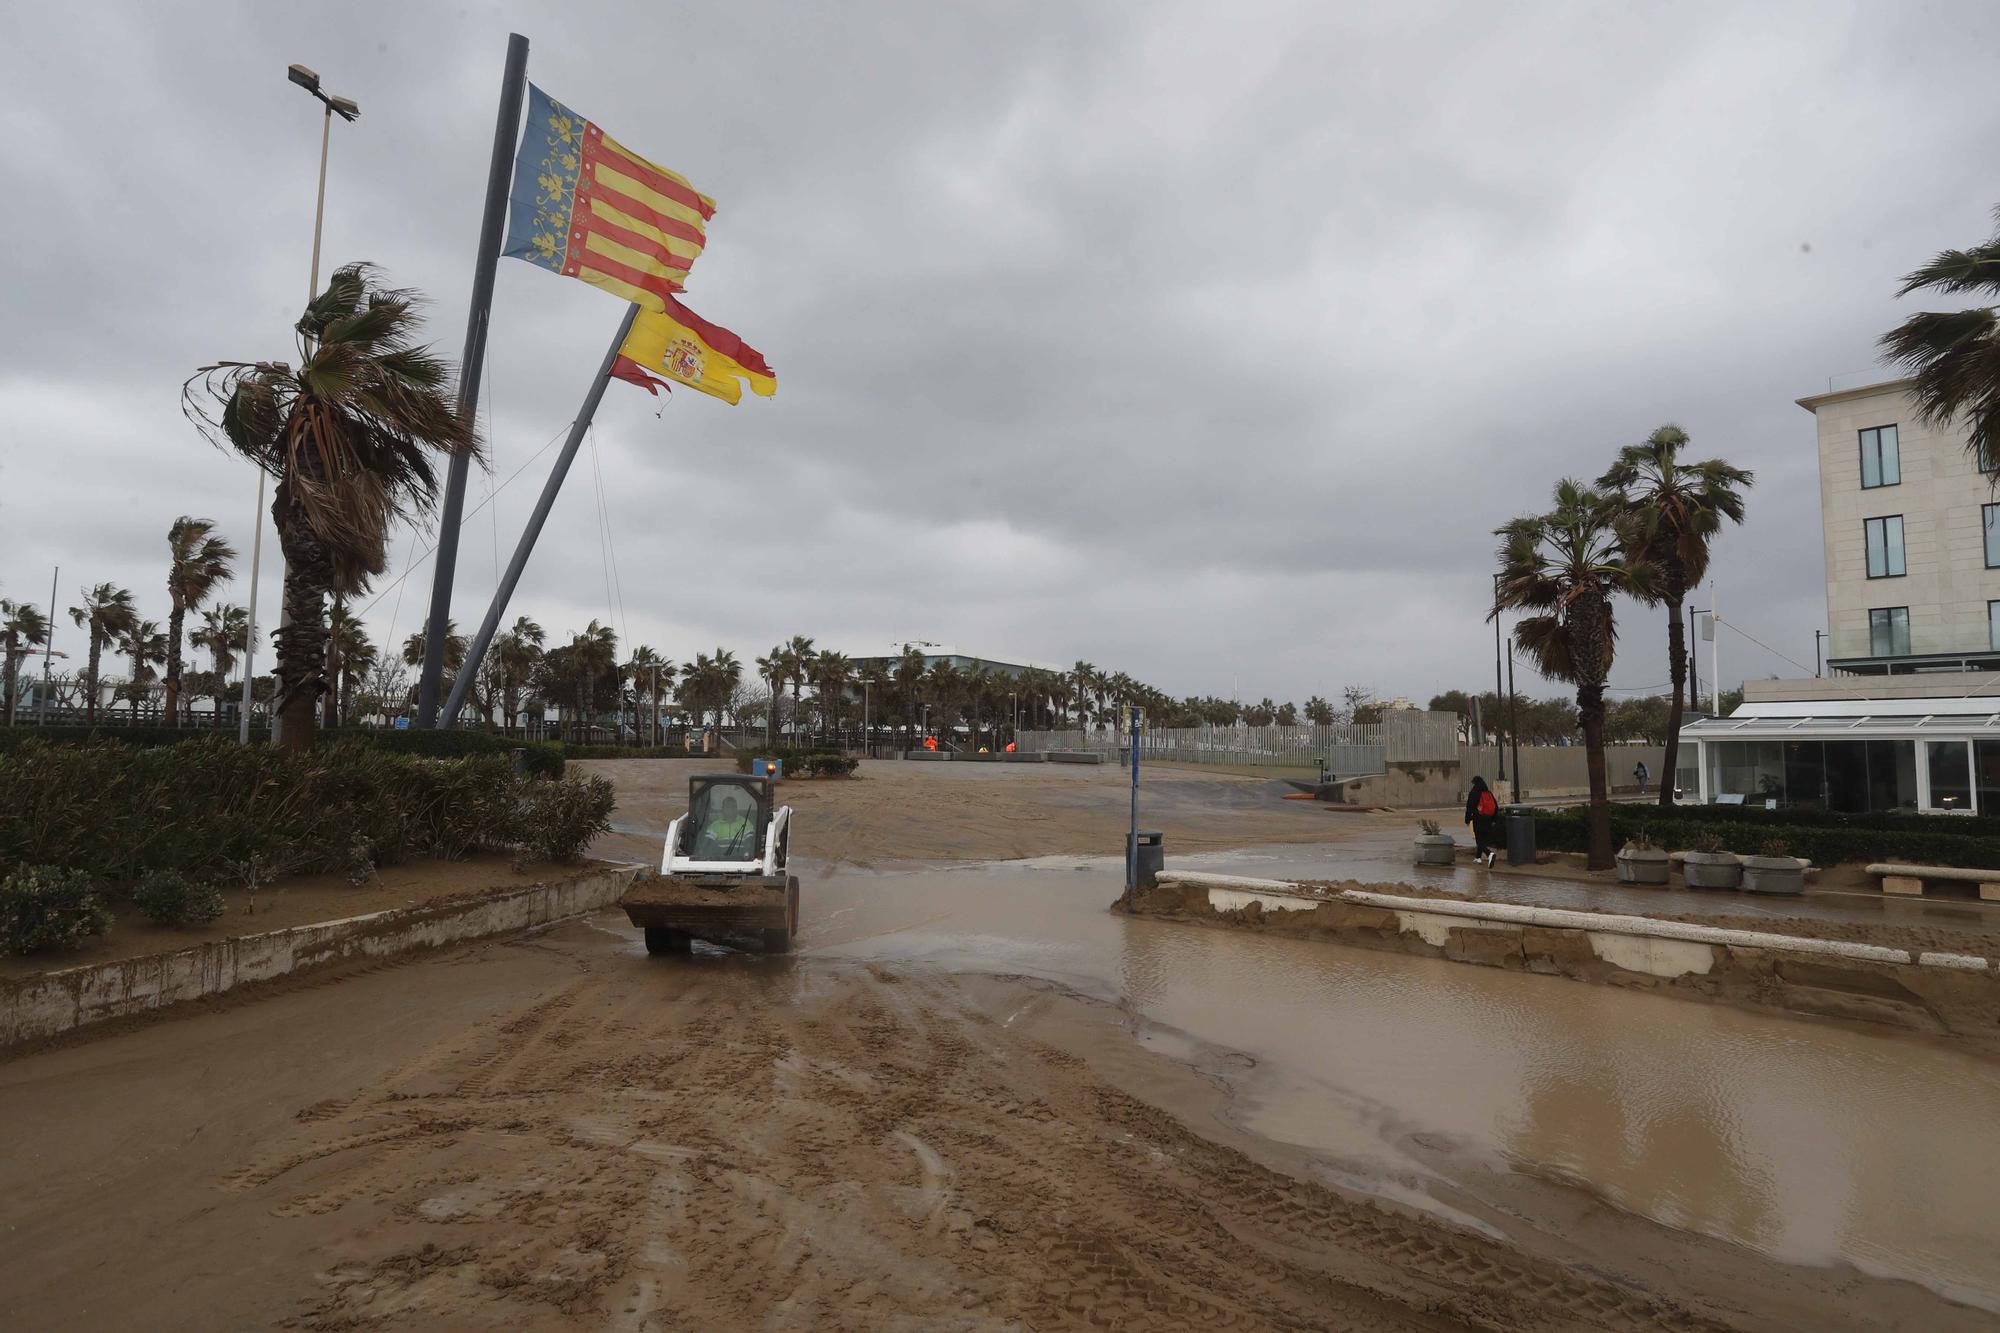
column 1205, row 342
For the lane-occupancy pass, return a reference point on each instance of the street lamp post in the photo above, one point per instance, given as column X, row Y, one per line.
column 345, row 108
column 864, row 718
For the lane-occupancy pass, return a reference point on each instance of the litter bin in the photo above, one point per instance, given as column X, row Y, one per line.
column 1152, row 857
column 1520, row 835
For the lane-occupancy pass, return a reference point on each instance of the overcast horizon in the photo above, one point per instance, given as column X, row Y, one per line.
column 1204, row 347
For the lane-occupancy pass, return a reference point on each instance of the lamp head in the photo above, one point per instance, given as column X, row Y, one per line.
column 345, row 108
column 303, row 77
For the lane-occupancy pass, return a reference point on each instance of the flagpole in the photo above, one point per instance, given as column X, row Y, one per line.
column 506, row 132
column 525, row 547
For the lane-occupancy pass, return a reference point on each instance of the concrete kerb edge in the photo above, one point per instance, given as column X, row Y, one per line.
column 52, row 1003
column 1595, row 922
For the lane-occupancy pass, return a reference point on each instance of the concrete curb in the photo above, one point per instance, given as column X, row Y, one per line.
column 52, row 1003
column 1559, row 918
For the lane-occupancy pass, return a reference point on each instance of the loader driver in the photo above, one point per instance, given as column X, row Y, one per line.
column 729, row 831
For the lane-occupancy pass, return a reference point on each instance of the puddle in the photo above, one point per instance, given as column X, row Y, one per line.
column 1813, row 1142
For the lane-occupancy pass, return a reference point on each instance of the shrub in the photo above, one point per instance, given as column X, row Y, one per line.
column 1707, row 843
column 542, row 759
column 49, row 907
column 117, row 812
column 1639, row 840
column 803, row 763
column 1937, row 839
column 1430, row 828
column 560, row 819
column 1774, row 847
column 172, row 899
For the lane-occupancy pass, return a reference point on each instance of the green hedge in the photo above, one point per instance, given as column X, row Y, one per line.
column 213, row 809
column 803, row 763
column 1825, row 840
column 625, row 751
column 542, row 758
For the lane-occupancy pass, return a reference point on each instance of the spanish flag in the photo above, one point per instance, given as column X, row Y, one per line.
column 585, row 206
column 685, row 347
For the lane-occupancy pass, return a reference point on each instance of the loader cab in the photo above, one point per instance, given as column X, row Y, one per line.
column 727, row 817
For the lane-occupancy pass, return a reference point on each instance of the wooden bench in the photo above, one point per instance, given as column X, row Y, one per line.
column 1909, row 880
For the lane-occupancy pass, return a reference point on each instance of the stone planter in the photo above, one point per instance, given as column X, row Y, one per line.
column 1774, row 874
column 1647, row 866
column 1712, row 870
column 1435, row 849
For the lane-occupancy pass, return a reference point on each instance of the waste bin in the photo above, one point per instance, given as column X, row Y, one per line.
column 1152, row 857
column 1520, row 835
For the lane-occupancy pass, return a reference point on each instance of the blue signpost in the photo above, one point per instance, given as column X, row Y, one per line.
column 1132, row 834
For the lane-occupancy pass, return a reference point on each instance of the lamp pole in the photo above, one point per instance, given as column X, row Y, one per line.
column 864, row 717
column 1819, row 636
column 1499, row 688
column 345, row 108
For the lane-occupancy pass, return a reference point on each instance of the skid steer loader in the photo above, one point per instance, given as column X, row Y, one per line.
column 723, row 875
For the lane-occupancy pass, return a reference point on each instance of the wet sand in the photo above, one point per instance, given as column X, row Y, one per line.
column 975, row 1099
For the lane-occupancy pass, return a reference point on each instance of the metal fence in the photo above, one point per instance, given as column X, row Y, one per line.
column 1348, row 749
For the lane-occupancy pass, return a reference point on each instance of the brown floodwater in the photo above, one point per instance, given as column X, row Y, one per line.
column 1811, row 1141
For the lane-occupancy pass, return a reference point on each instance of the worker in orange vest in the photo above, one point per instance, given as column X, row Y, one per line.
column 930, row 742
column 1010, row 747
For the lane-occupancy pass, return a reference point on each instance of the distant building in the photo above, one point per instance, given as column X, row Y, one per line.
column 937, row 652
column 1911, row 527
column 1908, row 715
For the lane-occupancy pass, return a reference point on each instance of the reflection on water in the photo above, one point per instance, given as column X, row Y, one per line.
column 1808, row 1140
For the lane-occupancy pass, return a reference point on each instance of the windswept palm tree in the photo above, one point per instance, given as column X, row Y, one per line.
column 346, row 642
column 771, row 669
column 798, row 657
column 107, row 616
column 350, row 436
column 1081, row 678
column 652, row 676
column 1564, row 567
column 1675, row 510
column 147, row 647
column 518, row 651
column 833, row 676
column 224, row 630
column 1955, row 356
column 197, row 561
column 21, row 627
column 356, row 661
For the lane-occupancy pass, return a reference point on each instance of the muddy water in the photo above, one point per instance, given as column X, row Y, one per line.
column 1810, row 1141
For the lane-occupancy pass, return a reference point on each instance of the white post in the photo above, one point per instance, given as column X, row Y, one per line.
column 250, row 629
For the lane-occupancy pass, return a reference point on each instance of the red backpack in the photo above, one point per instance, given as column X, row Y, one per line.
column 1487, row 805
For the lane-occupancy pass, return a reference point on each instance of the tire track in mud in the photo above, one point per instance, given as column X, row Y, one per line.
column 698, row 1147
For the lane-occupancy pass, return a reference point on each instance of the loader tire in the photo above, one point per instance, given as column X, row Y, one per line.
column 660, row 940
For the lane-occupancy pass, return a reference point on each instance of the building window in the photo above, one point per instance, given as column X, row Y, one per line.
column 1881, row 459
column 1993, row 626
column 1991, row 516
column 1885, row 545
column 1889, row 631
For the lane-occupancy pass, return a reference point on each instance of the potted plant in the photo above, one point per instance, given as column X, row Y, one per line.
column 1641, row 861
column 1774, row 870
column 1434, row 845
column 1708, row 866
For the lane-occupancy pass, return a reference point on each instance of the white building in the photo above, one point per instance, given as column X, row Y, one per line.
column 1908, row 717
column 1911, row 527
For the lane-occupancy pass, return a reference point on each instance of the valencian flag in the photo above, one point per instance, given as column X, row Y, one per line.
column 587, row 207
column 683, row 346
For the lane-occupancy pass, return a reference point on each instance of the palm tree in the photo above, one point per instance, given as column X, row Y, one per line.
column 107, row 615
column 1565, row 566
column 1677, row 508
column 197, row 561
column 1955, row 356
column 909, row 680
column 518, row 651
column 346, row 642
column 1080, row 678
column 356, row 661
column 771, row 669
column 798, row 657
column 650, row 674
column 147, row 647
column 223, row 630
column 21, row 626
column 350, row 437
column 833, row 676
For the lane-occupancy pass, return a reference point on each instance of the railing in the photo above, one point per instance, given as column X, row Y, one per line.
column 1348, row 749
